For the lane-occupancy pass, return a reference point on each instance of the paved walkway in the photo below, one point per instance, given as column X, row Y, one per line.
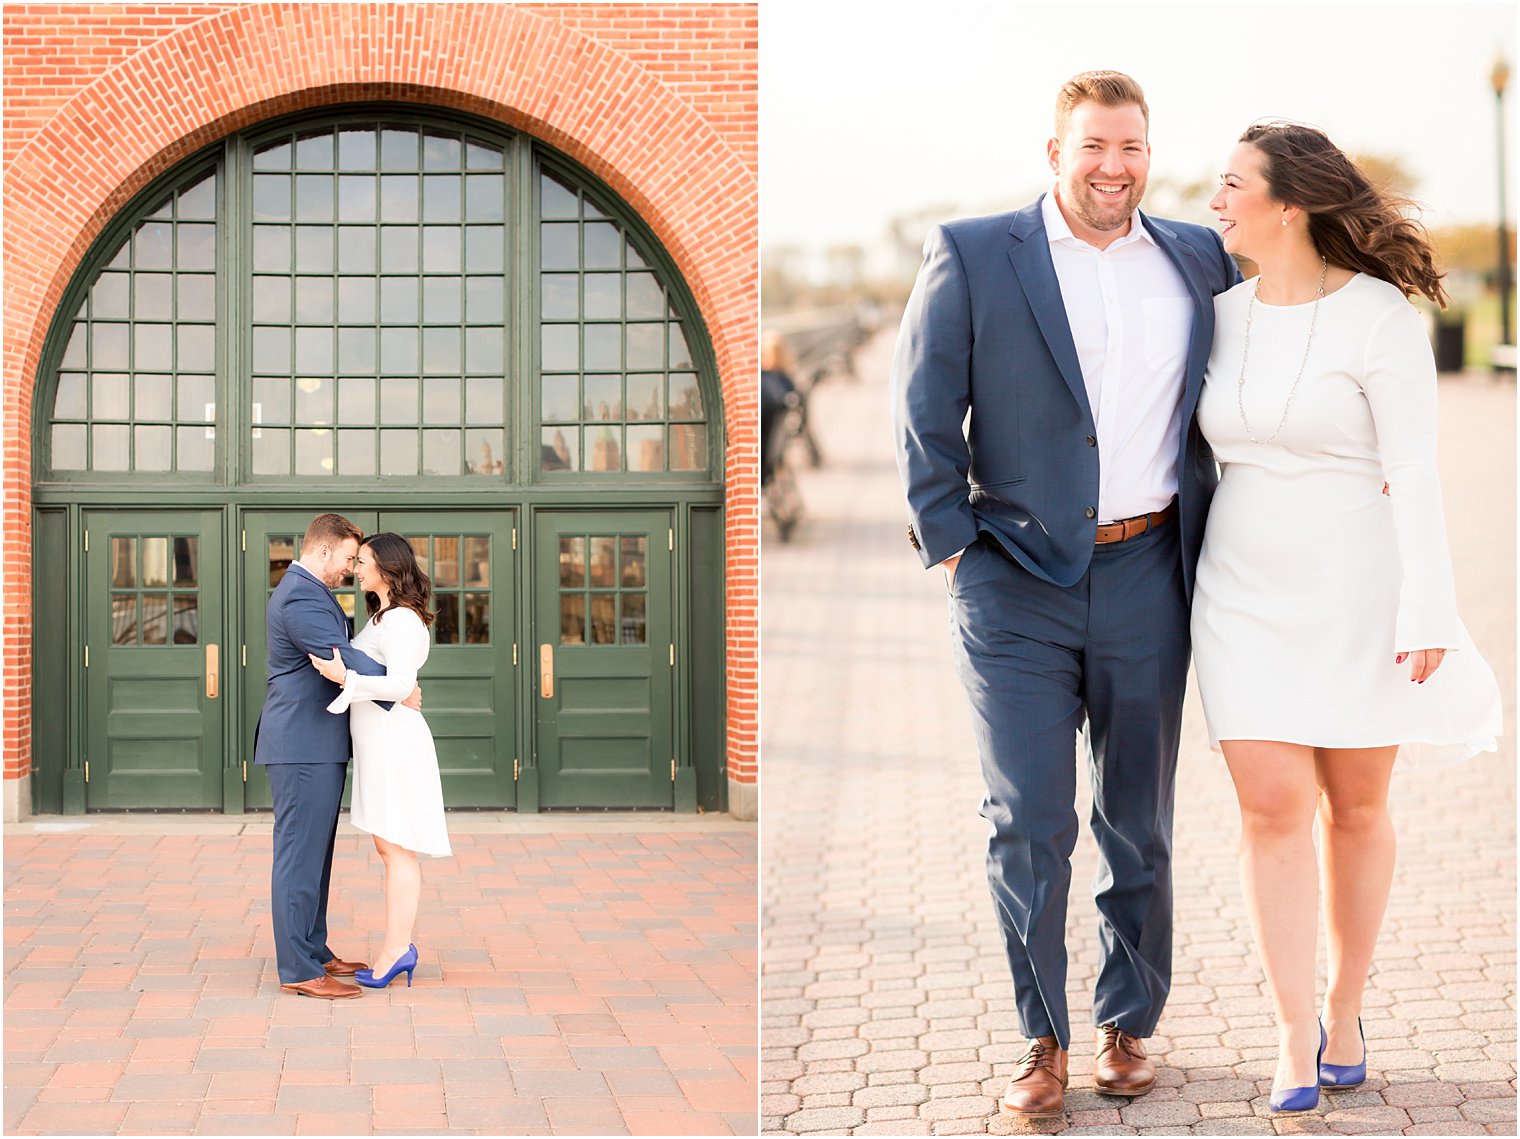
column 581, row 975
column 887, row 1004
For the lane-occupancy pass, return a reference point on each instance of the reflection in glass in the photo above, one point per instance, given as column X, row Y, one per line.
column 109, row 296
column 314, row 151
column 399, row 300
column 314, row 350
column 356, row 198
column 634, row 628
column 186, row 620
column 440, row 249
column 109, row 448
column 356, row 148
column 356, row 350
column 153, row 347
column 398, row 452
column 153, row 448
column 477, row 560
column 604, row 562
column 108, row 346
column 645, row 298
column 271, row 350
column 558, row 296
column 314, row 197
column 560, row 347
column 196, row 295
column 314, row 452
column 271, row 398
column 560, row 397
column 440, row 397
column 124, row 562
column 275, row 157
column 314, row 300
column 484, row 300
column 440, row 198
column 198, row 201
column 109, row 393
column 155, row 562
column 680, row 354
column 271, row 300
column 356, row 249
column 124, row 619
column 356, row 300
column 398, row 249
column 560, row 450
column 440, row 300
column 485, row 452
column 483, row 400
column 604, row 296
column 477, row 618
column 314, row 249
column 314, row 401
column 646, row 345
column 399, row 351
column 155, row 619
column 485, row 198
column 185, row 556
column 153, row 246
column 633, row 563
column 398, row 401
column 398, row 198
column 282, row 551
column 398, row 149
column 356, row 401
column 446, row 627
column 688, row 447
column 197, row 247
column 440, row 353
column 646, row 449
column 70, row 401
column 153, row 397
column 572, row 562
column 75, row 352
column 193, row 451
column 556, row 200
column 68, row 450
column 604, row 448
column 440, row 151
column 604, row 398
column 271, row 452
column 644, row 397
column 604, row 619
column 604, row 346
column 484, row 349
column 356, row 453
column 604, row 246
column 572, row 619
column 445, row 571
column 271, row 249
column 484, row 248
column 441, row 453
column 559, row 245
column 152, row 297
column 685, row 397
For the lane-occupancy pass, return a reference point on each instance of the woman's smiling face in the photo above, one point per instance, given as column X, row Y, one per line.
column 1248, row 214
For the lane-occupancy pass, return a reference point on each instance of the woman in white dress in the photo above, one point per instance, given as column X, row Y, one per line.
column 397, row 793
column 1325, row 631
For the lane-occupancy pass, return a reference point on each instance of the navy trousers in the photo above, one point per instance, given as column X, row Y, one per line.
column 1037, row 661
column 307, row 797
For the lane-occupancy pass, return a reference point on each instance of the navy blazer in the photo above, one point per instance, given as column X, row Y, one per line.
column 295, row 726
column 985, row 330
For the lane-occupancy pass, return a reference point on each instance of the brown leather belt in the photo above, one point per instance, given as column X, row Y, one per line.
column 1126, row 528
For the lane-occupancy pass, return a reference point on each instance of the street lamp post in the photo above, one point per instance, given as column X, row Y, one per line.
column 1500, row 78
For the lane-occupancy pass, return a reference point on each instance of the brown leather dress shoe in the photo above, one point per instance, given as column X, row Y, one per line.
column 324, row 988
column 337, row 968
column 1036, row 1090
column 1122, row 1067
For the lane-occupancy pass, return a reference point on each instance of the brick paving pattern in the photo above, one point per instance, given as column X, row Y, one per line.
column 583, row 980
column 887, row 1007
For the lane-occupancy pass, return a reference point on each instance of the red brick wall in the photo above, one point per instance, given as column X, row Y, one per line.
column 657, row 100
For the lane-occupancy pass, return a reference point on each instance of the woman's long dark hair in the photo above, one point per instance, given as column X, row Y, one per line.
column 1352, row 223
column 409, row 586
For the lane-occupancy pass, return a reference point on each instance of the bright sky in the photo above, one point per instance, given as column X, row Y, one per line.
column 871, row 111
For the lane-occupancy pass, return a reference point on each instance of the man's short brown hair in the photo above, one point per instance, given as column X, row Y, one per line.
column 330, row 530
column 1106, row 88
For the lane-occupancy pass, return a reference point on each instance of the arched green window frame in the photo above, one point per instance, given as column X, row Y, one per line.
column 669, row 439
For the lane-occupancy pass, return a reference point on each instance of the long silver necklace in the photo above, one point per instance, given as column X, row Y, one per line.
column 1240, row 384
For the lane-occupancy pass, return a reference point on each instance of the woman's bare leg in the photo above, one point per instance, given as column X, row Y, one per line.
column 403, row 890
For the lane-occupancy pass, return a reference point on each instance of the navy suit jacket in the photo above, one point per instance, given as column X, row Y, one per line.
column 985, row 330
column 295, row 727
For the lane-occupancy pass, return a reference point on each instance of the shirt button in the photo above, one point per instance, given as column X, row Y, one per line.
column 1091, row 442
column 1090, row 512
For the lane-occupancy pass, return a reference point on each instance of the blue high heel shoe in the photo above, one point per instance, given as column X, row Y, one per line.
column 404, row 964
column 1299, row 1099
column 1345, row 1075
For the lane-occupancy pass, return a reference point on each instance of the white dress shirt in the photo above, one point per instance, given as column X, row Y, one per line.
column 1131, row 316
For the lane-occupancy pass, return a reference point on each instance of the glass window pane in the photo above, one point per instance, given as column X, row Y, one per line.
column 572, row 562
column 271, row 400
column 271, row 350
column 604, row 246
column 555, row 200
column 124, row 619
column 478, row 156
column 356, row 197
column 477, row 618
column 314, row 452
column 356, row 401
column 646, row 345
column 195, row 347
column 155, row 563
column 68, row 447
column 356, row 453
column 399, row 300
column 688, row 447
column 153, row 347
column 477, row 560
column 560, row 347
column 271, row 300
column 484, row 452
column 483, row 400
column 604, row 296
column 398, row 453
column 634, row 629
column 445, row 565
column 398, row 249
column 197, row 247
column 398, row 149
column 485, row 248
column 314, row 151
column 604, row 448
column 441, row 453
column 484, row 349
column 70, row 401
column 185, row 555
column 314, row 249
column 440, row 249
column 153, row 246
column 109, row 296
column 153, row 397
column 197, row 399
column 559, row 245
column 680, row 354
column 75, row 354
column 559, row 296
column 356, row 350
column 197, row 296
column 399, row 198
column 441, row 152
column 604, row 346
column 604, row 562
column 572, row 619
column 685, row 397
column 440, row 300
column 645, row 397
column 446, row 627
column 356, row 300
column 155, row 619
column 484, row 300
column 186, row 620
column 485, row 198
column 154, row 448
column 275, row 156
column 398, row 401
column 356, row 249
column 646, row 299
column 356, row 148
column 124, row 563
column 633, row 563
column 108, row 346
column 398, row 351
column 440, row 198
column 110, row 393
column 646, row 449
column 441, row 350
column 314, row 197
column 604, row 627
column 271, row 249
column 604, row 398
column 282, row 551
column 314, row 300
column 271, row 452
column 314, row 401
column 152, row 297
column 193, row 450
column 561, row 396
column 560, row 449
column 440, row 399
column 198, row 201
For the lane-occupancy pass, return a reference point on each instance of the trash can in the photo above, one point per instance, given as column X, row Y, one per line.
column 1451, row 336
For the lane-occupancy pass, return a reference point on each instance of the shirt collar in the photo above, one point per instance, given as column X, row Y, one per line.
column 308, row 573
column 1056, row 228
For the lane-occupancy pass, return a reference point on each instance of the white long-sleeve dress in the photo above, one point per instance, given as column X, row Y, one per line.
column 1311, row 580
column 398, row 794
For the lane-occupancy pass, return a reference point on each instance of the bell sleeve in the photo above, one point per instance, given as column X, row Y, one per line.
column 404, row 643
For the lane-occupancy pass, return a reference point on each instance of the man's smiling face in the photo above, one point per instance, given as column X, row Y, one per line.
column 1101, row 162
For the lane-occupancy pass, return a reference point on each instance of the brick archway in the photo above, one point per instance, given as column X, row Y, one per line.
column 527, row 69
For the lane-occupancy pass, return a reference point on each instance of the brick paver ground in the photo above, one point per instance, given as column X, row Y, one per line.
column 886, row 999
column 580, row 976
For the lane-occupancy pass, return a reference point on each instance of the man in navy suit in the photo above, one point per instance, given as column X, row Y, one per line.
column 1067, row 513
column 306, row 751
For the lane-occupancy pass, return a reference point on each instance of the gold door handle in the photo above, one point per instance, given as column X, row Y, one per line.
column 213, row 657
column 546, row 671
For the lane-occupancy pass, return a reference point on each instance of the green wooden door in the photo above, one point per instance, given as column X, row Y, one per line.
column 272, row 540
column 604, row 659
column 469, row 695
column 157, row 664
